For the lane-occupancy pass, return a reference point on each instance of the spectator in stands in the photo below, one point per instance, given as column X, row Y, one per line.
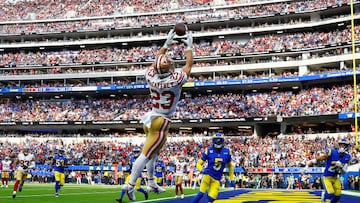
column 165, row 87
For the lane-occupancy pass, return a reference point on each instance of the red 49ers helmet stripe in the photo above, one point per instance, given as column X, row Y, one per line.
column 163, row 64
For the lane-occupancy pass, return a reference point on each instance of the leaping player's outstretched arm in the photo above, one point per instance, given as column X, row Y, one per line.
column 169, row 41
column 189, row 53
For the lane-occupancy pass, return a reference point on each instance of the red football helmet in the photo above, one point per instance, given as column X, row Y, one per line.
column 163, row 64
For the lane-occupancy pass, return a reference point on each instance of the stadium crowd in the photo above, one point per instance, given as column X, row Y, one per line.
column 248, row 152
column 36, row 10
column 313, row 101
column 261, row 44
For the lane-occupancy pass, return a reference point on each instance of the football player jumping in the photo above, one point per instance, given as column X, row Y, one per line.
column 165, row 85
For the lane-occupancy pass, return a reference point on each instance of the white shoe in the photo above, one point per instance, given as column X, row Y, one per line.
column 155, row 188
column 6, row 186
column 130, row 191
column 182, row 196
column 176, row 196
column 323, row 200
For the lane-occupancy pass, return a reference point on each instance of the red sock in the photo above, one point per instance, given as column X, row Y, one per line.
column 7, row 181
column 181, row 189
column 16, row 185
column 3, row 180
column 176, row 189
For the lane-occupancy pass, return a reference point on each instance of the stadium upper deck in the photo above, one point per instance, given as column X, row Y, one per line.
column 238, row 33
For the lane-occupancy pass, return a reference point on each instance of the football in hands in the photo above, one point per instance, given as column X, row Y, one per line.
column 180, row 29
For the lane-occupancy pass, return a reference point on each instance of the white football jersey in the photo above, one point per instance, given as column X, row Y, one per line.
column 6, row 165
column 165, row 92
column 180, row 168
column 25, row 161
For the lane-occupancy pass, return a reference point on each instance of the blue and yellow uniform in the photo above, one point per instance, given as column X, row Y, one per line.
column 59, row 164
column 159, row 171
column 217, row 157
column 138, row 180
column 334, row 166
column 136, row 154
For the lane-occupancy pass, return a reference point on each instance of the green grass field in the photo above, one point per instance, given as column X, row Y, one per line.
column 44, row 193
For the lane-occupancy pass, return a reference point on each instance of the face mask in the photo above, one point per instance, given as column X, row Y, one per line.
column 342, row 150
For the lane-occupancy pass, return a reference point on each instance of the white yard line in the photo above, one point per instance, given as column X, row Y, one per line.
column 51, row 195
column 346, row 192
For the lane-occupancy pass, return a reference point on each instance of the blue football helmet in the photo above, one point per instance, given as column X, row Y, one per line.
column 61, row 151
column 218, row 140
column 343, row 145
column 136, row 152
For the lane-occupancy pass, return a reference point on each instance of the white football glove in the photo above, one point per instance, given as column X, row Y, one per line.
column 188, row 41
column 169, row 40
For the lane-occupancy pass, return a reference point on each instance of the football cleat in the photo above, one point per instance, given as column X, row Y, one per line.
column 182, row 196
column 155, row 188
column 14, row 194
column 119, row 200
column 56, row 195
column 176, row 196
column 130, row 191
column 20, row 188
column 146, row 194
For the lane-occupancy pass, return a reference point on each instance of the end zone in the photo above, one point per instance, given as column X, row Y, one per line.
column 272, row 196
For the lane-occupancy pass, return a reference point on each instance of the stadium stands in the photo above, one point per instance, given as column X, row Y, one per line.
column 269, row 82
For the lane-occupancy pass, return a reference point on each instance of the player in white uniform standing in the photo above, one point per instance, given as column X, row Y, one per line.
column 5, row 170
column 165, row 85
column 181, row 167
column 23, row 163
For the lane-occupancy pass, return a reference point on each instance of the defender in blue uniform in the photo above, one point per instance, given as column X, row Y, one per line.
column 217, row 158
column 159, row 171
column 337, row 161
column 136, row 154
column 59, row 164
